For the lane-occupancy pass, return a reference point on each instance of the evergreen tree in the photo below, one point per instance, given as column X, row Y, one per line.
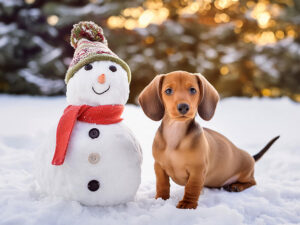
column 245, row 48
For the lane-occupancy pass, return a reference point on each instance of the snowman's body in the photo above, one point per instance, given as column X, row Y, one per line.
column 103, row 162
column 112, row 159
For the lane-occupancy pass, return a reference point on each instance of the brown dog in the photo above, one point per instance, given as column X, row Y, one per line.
column 191, row 155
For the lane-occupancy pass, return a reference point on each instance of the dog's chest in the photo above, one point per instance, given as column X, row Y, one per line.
column 173, row 134
column 172, row 162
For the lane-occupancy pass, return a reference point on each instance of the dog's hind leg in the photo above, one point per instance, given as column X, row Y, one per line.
column 244, row 181
column 238, row 187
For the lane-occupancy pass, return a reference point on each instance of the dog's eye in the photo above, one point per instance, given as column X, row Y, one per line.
column 113, row 68
column 193, row 90
column 169, row 91
column 88, row 67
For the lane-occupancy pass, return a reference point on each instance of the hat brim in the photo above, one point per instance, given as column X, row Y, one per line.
column 95, row 57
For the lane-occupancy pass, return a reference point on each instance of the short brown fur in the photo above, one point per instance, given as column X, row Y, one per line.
column 192, row 156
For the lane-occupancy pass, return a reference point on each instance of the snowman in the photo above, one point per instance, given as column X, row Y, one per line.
column 92, row 157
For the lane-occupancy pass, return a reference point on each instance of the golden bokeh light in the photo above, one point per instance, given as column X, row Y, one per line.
column 198, row 6
column 261, row 15
column 223, row 4
column 221, row 18
column 133, row 12
column 239, row 23
column 115, row 22
column 130, row 24
column 224, row 70
column 132, row 18
column 156, row 4
column 266, row 92
column 161, row 15
column 149, row 40
column 297, row 97
column 250, row 4
column 291, row 33
column 263, row 19
column 52, row 20
column 263, row 12
column 279, row 34
column 146, row 18
column 275, row 10
column 263, row 38
column 154, row 12
column 275, row 91
column 266, row 37
column 192, row 8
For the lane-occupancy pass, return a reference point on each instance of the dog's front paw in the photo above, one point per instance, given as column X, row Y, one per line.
column 162, row 196
column 187, row 205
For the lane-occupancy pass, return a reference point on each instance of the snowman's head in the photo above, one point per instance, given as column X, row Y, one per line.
column 98, row 83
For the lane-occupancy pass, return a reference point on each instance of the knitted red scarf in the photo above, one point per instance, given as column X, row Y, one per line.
column 105, row 114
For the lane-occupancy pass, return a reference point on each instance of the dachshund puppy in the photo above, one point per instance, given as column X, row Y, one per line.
column 191, row 155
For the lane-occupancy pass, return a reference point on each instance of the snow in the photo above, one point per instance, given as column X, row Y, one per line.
column 249, row 123
column 6, row 28
column 231, row 55
column 47, row 86
column 266, row 64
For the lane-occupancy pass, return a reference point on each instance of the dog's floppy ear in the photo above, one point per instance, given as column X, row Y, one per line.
column 210, row 97
column 150, row 99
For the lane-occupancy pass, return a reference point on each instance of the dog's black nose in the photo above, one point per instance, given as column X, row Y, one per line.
column 183, row 108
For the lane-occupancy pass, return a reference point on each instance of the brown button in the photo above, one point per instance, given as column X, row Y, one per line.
column 94, row 158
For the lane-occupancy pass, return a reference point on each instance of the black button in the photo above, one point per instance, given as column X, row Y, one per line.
column 94, row 133
column 93, row 185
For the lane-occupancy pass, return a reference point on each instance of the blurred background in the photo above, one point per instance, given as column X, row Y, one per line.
column 244, row 48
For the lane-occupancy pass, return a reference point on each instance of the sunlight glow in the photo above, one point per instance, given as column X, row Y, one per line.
column 223, row 4
column 146, row 18
column 132, row 18
column 263, row 19
column 221, row 18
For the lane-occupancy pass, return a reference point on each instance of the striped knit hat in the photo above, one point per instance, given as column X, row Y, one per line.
column 90, row 45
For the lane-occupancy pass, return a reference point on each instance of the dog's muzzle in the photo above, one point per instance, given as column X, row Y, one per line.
column 183, row 108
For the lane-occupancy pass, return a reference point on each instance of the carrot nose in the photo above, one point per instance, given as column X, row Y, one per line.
column 101, row 78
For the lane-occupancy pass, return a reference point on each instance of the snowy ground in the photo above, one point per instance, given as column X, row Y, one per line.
column 249, row 123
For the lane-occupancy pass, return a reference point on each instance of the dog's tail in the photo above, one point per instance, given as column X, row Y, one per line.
column 265, row 149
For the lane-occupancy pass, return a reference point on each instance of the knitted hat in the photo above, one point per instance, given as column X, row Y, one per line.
column 90, row 45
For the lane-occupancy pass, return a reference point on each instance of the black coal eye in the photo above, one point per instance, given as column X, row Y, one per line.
column 113, row 68
column 169, row 91
column 88, row 67
column 193, row 90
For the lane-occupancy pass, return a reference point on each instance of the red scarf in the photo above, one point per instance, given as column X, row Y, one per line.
column 105, row 114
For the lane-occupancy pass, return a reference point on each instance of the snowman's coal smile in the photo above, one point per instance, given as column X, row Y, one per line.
column 100, row 93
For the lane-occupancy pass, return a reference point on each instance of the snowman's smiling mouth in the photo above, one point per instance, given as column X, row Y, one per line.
column 100, row 93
